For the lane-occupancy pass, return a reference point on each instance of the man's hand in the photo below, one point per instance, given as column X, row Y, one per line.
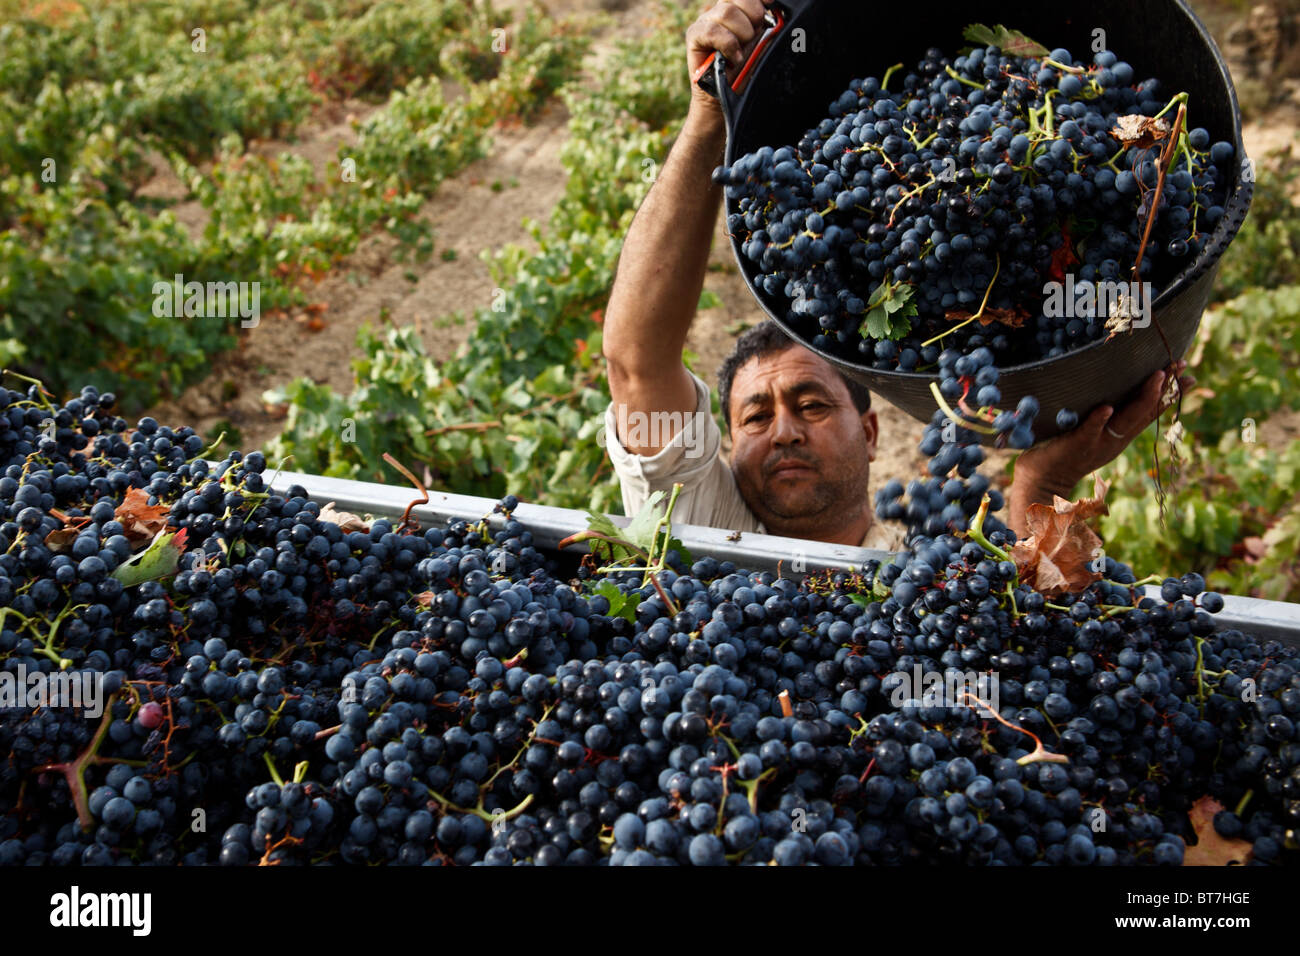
column 1056, row 466
column 731, row 28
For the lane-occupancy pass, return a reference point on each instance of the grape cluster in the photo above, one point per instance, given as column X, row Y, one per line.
column 960, row 193
column 295, row 691
column 952, row 495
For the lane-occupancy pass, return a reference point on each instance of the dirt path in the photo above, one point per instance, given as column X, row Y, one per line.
column 468, row 217
column 477, row 211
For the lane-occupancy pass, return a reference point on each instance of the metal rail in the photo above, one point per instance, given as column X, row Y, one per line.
column 1266, row 620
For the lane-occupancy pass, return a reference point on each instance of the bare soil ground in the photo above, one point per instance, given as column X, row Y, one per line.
column 478, row 211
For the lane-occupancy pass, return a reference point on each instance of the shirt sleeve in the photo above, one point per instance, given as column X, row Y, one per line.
column 884, row 536
column 693, row 458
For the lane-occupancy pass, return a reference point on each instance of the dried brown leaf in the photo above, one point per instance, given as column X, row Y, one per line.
column 1014, row 318
column 344, row 519
column 1057, row 556
column 1212, row 849
column 60, row 539
column 140, row 520
column 1094, row 507
column 1140, row 131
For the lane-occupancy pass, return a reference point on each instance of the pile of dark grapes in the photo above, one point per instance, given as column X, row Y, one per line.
column 970, row 184
column 294, row 692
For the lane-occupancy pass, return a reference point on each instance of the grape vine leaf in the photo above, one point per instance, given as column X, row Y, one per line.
column 159, row 560
column 60, row 540
column 1211, row 849
column 620, row 604
column 344, row 519
column 1140, row 131
column 1013, row 318
column 1057, row 556
column 140, row 520
column 1063, row 256
column 639, row 532
column 890, row 311
column 1012, row 42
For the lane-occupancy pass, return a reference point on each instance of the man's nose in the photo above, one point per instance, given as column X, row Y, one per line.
column 787, row 427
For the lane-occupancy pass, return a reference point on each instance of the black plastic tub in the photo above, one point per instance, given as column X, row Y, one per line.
column 790, row 91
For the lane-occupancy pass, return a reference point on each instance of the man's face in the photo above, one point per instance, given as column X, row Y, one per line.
column 800, row 449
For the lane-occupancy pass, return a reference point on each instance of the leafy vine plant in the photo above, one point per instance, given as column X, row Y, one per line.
column 647, row 539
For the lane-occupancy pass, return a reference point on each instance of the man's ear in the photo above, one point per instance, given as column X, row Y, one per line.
column 871, row 429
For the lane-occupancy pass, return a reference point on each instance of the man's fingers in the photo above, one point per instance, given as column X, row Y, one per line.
column 730, row 31
column 738, row 21
column 754, row 9
column 1130, row 420
column 1093, row 428
column 709, row 36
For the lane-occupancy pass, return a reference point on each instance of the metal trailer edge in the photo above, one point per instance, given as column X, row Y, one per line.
column 1265, row 620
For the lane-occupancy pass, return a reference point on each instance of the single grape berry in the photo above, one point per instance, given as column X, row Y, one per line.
column 150, row 716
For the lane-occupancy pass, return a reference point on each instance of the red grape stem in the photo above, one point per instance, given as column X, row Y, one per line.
column 1040, row 754
column 422, row 500
column 74, row 772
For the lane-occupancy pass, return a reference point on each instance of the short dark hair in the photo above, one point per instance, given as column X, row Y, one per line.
column 766, row 338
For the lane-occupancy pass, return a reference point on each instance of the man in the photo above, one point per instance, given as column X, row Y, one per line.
column 802, row 435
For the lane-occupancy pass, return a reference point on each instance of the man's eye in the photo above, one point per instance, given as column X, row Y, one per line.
column 756, row 418
column 813, row 406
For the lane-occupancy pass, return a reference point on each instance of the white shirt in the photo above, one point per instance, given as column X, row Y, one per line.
column 693, row 458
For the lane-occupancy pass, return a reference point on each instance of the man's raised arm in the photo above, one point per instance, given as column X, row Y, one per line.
column 661, row 269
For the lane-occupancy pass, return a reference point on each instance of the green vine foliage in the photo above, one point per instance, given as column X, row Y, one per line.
column 1266, row 252
column 520, row 407
column 1233, row 508
column 80, row 251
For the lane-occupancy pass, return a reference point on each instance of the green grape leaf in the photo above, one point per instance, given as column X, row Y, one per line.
column 641, row 530
column 159, row 560
column 619, row 603
column 1012, row 42
column 889, row 312
column 601, row 524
